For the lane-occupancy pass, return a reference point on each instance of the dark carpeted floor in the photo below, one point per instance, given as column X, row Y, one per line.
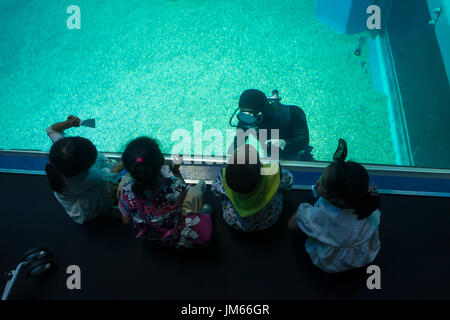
column 414, row 260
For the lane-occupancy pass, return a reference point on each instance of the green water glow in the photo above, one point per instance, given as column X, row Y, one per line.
column 150, row 67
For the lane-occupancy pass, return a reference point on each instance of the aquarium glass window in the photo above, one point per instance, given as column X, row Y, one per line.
column 173, row 68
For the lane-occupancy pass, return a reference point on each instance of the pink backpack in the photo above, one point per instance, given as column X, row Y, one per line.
column 191, row 230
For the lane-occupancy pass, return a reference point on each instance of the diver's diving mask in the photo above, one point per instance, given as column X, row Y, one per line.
column 248, row 118
column 251, row 119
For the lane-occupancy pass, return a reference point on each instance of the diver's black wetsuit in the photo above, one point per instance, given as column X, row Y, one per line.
column 293, row 128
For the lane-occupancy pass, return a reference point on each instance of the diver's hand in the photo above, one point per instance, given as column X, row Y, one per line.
column 73, row 121
column 280, row 143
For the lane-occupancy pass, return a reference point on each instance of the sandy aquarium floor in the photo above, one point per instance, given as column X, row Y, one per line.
column 151, row 67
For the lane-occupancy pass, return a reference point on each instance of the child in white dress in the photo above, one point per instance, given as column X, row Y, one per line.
column 84, row 181
column 342, row 226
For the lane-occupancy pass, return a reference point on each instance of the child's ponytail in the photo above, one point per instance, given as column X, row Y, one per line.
column 55, row 178
column 350, row 182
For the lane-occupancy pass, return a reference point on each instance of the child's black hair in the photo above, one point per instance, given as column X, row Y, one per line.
column 69, row 157
column 349, row 181
column 243, row 178
column 143, row 159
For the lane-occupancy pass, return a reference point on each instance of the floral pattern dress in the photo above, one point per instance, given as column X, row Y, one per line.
column 264, row 219
column 161, row 209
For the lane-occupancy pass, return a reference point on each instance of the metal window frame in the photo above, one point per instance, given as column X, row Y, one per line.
column 203, row 168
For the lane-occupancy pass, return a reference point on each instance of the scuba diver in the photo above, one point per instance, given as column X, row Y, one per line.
column 256, row 111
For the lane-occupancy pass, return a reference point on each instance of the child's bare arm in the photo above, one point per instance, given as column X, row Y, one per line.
column 71, row 121
column 118, row 167
column 125, row 179
column 292, row 223
column 175, row 168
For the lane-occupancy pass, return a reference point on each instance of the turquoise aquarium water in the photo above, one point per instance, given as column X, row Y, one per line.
column 152, row 67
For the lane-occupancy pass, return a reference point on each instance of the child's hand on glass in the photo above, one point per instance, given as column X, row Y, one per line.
column 175, row 166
